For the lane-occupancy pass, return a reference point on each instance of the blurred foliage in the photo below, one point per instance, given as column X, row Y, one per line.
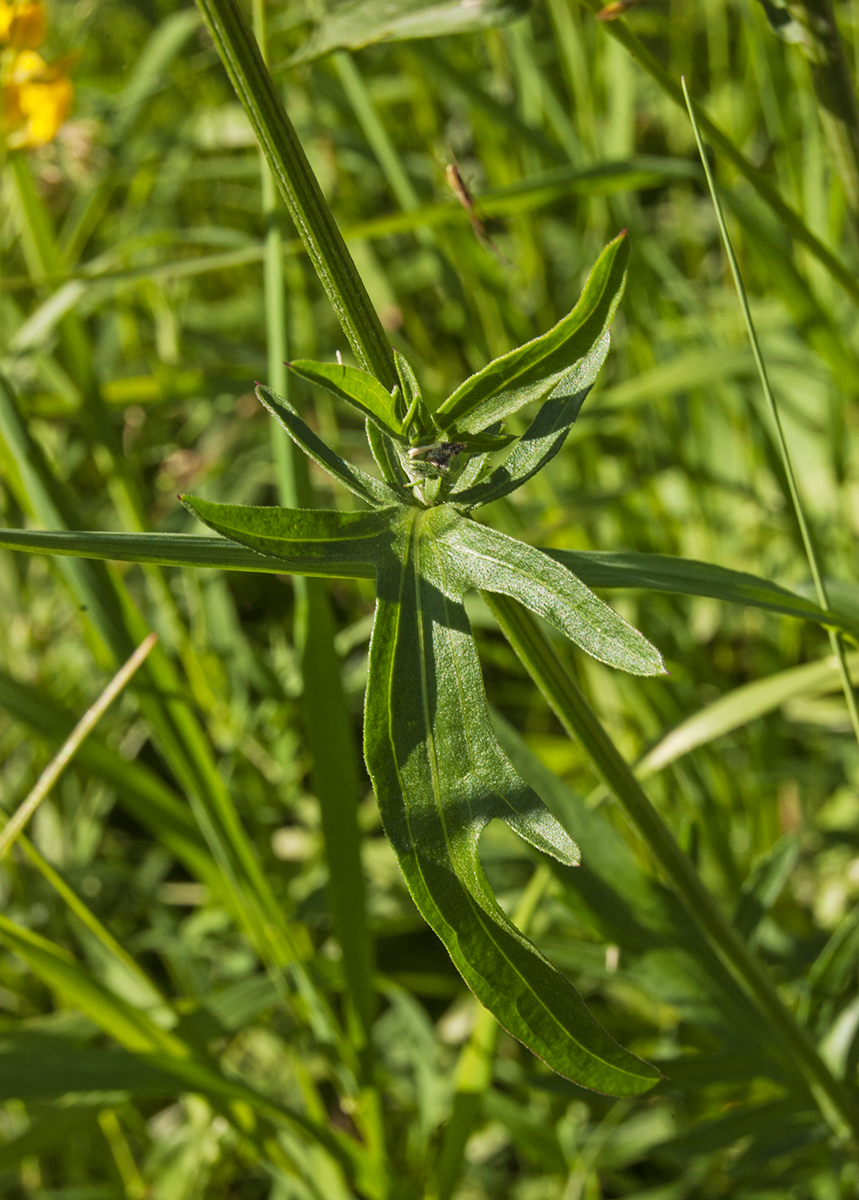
column 133, row 331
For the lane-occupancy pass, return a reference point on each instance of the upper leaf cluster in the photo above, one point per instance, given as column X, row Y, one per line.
column 435, row 456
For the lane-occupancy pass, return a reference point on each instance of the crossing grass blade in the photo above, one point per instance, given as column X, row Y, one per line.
column 666, row 573
column 745, row 704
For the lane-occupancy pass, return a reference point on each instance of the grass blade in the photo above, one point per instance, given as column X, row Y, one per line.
column 172, row 550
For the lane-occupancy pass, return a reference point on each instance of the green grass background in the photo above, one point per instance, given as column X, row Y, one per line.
column 134, row 326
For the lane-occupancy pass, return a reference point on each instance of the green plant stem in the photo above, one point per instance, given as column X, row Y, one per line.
column 324, row 708
column 759, row 181
column 255, row 88
column 786, row 461
column 581, row 722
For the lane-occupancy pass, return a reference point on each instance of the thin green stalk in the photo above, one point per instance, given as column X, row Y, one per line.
column 326, row 714
column 255, row 88
column 790, row 218
column 89, row 920
column 787, row 464
column 581, row 722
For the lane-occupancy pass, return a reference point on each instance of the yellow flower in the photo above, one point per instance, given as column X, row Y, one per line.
column 36, row 100
column 22, row 24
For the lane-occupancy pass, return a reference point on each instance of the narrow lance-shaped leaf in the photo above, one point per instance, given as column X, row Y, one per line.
column 358, row 388
column 689, row 577
column 174, row 550
column 299, row 534
column 546, row 365
column 372, row 491
column 477, row 557
column 544, row 437
column 440, row 777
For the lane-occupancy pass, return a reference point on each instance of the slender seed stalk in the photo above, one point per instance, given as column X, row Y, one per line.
column 64, row 755
column 581, row 722
column 787, row 463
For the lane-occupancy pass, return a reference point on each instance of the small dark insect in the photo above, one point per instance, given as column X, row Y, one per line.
column 439, row 454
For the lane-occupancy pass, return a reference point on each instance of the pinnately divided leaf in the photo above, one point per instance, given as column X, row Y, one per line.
column 439, row 771
column 542, row 367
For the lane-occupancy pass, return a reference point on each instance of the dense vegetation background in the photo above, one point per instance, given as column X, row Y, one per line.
column 133, row 328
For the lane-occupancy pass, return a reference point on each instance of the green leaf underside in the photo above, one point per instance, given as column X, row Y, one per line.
column 440, row 776
column 358, row 388
column 544, row 437
column 373, row 491
column 360, row 23
column 543, row 366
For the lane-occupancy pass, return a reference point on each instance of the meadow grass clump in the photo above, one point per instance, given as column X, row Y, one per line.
column 264, row 935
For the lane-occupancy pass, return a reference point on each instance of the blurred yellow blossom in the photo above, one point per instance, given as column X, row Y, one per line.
column 36, row 100
column 36, row 95
column 22, row 24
